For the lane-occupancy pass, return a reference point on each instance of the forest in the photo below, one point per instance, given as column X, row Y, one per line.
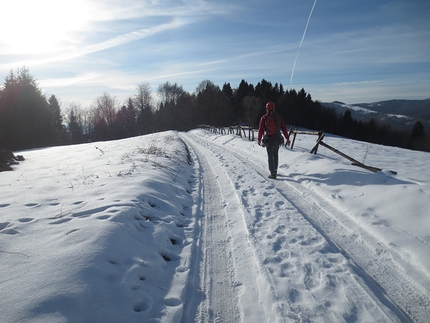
column 28, row 119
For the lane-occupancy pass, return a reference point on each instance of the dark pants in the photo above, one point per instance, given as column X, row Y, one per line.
column 272, row 153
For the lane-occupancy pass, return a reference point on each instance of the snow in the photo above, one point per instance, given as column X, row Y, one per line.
column 182, row 227
column 358, row 109
column 362, row 110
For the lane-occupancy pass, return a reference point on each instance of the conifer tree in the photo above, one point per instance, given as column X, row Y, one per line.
column 24, row 112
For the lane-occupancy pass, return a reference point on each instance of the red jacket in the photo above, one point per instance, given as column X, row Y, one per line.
column 262, row 127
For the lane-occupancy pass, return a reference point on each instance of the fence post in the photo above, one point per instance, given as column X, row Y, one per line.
column 320, row 138
column 294, row 139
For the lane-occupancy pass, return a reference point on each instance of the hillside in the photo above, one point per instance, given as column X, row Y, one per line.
column 399, row 114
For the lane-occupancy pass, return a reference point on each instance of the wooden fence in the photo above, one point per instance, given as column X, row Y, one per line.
column 216, row 130
column 320, row 141
column 295, row 132
column 242, row 131
column 248, row 132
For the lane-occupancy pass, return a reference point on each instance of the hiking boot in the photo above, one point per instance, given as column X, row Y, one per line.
column 272, row 176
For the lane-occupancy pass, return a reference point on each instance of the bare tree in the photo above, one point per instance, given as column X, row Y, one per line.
column 170, row 92
column 205, row 84
column 103, row 113
column 143, row 99
column 143, row 102
column 106, row 108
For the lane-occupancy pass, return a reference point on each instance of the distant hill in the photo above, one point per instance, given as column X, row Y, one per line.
column 399, row 114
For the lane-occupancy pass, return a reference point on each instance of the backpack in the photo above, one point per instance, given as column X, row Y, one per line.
column 273, row 126
column 273, row 123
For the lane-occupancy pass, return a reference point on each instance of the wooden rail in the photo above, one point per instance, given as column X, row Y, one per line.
column 217, row 130
column 295, row 132
column 242, row 131
column 352, row 160
column 248, row 132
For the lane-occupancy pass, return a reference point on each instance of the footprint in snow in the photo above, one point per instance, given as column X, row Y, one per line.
column 294, row 295
column 144, row 305
column 10, row 231
column 141, row 306
column 173, row 301
column 60, row 221
column 25, row 220
column 103, row 217
column 32, row 204
column 5, row 228
column 278, row 243
column 3, row 225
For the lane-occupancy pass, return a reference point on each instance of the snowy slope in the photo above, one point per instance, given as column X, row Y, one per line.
column 324, row 197
column 176, row 227
column 401, row 118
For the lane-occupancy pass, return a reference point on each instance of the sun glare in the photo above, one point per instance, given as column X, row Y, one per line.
column 37, row 27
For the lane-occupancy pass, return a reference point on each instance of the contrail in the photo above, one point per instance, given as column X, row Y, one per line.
column 303, row 37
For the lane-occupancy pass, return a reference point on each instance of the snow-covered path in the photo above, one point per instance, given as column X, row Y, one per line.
column 215, row 267
column 186, row 227
column 302, row 257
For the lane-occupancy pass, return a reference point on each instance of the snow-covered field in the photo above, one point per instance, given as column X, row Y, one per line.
column 186, row 227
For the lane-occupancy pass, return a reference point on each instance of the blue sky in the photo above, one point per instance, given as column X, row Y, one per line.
column 353, row 50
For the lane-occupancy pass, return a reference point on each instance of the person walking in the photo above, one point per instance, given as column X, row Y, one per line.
column 269, row 136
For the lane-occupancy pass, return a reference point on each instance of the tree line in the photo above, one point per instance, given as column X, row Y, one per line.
column 28, row 119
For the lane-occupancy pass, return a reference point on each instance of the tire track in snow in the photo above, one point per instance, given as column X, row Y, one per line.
column 217, row 289
column 303, row 289
column 373, row 264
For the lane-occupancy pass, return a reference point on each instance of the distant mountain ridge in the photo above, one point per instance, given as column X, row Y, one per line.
column 399, row 114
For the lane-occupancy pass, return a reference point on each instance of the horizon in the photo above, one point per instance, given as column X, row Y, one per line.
column 337, row 101
column 350, row 52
